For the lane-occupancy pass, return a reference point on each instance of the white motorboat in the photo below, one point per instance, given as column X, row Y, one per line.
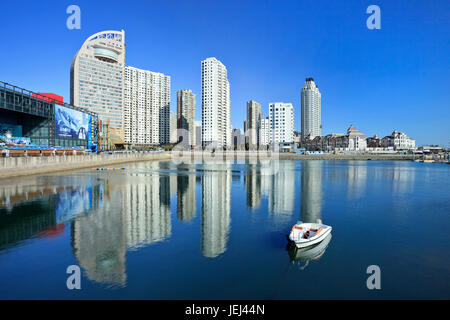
column 307, row 234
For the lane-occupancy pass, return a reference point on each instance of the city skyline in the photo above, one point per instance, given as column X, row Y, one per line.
column 390, row 92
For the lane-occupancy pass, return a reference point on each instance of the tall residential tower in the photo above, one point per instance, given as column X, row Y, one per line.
column 186, row 116
column 146, row 107
column 311, row 105
column 216, row 125
column 253, row 123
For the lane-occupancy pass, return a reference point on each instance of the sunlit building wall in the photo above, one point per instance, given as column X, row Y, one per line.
column 216, row 121
column 146, row 107
column 311, row 109
column 97, row 76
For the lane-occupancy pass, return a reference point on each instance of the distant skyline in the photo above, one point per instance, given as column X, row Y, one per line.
column 378, row 80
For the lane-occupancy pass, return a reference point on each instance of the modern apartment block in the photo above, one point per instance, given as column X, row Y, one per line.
column 97, row 76
column 281, row 123
column 311, row 109
column 146, row 107
column 216, row 126
column 253, row 122
column 264, row 131
column 186, row 116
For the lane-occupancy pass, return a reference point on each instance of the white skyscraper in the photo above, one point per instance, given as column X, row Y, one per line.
column 216, row 126
column 311, row 105
column 146, row 107
column 96, row 75
column 281, row 122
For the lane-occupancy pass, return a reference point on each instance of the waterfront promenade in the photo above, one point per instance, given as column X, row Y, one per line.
column 23, row 166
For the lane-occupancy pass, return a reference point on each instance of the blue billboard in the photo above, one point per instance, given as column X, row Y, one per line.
column 70, row 123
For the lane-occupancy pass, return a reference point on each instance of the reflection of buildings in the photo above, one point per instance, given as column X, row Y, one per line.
column 311, row 191
column 99, row 242
column 186, row 204
column 40, row 206
column 146, row 209
column 252, row 181
column 216, row 200
column 26, row 221
column 356, row 179
column 403, row 178
column 282, row 192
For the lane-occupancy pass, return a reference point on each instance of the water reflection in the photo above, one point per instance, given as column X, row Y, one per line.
column 252, row 181
column 110, row 213
column 282, row 190
column 356, row 179
column 99, row 241
column 186, row 193
column 216, row 201
column 302, row 256
column 311, row 204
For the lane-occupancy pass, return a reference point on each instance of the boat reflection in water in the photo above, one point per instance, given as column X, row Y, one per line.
column 302, row 256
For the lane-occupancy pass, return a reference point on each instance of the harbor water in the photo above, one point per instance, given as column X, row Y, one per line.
column 217, row 230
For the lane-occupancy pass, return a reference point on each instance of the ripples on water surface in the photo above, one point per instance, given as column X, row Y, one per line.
column 217, row 230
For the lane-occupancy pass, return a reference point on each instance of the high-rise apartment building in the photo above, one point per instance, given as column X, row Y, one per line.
column 97, row 76
column 253, row 122
column 311, row 109
column 146, row 105
column 186, row 116
column 216, row 126
column 264, row 132
column 281, row 122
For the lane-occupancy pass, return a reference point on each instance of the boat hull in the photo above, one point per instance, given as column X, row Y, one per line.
column 302, row 243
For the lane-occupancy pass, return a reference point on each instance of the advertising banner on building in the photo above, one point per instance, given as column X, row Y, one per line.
column 70, row 123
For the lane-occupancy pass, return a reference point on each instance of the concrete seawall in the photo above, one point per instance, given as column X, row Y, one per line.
column 24, row 166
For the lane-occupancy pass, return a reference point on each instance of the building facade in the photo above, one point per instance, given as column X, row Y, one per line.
column 146, row 108
column 216, row 126
column 186, row 116
column 253, row 123
column 281, row 123
column 97, row 76
column 354, row 140
column 238, row 140
column 264, row 132
column 399, row 141
column 311, row 122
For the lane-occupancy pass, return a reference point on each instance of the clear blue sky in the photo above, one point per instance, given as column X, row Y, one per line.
column 377, row 80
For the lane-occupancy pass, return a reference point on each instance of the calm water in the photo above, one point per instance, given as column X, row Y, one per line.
column 163, row 231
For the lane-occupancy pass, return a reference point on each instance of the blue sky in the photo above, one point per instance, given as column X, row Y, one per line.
column 377, row 80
